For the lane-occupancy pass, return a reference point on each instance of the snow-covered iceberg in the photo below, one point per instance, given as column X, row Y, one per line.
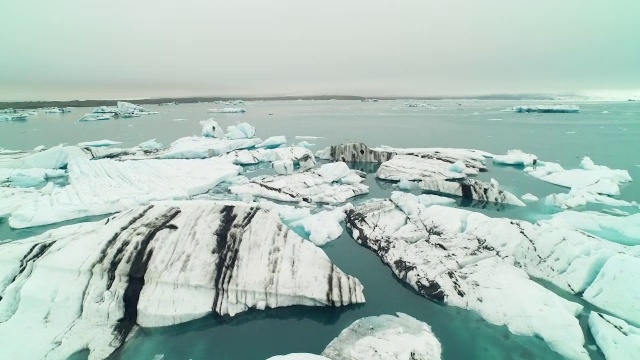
column 93, row 285
column 616, row 338
column 319, row 185
column 211, row 128
column 28, row 177
column 385, row 337
column 595, row 178
column 98, row 187
column 53, row 158
column 580, row 197
column 472, row 190
column 621, row 229
column 411, row 167
column 516, row 157
column 545, row 109
column 472, row 261
column 240, row 131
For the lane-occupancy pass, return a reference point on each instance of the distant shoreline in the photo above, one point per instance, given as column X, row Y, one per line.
column 208, row 99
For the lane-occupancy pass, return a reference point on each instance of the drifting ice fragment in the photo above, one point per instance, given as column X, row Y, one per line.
column 516, row 157
column 227, row 110
column 99, row 143
column 211, row 128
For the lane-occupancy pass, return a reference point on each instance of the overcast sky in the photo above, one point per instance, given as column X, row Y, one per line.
column 82, row 49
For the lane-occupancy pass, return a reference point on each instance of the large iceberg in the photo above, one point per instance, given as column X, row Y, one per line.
column 472, row 261
column 98, row 187
column 617, row 339
column 92, row 285
column 227, row 110
column 472, row 190
column 319, row 185
column 411, row 167
column 595, row 178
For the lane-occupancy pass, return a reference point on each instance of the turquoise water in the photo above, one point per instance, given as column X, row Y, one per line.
column 610, row 139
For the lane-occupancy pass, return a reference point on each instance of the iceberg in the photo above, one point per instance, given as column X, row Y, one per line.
column 385, row 337
column 410, row 167
column 621, row 229
column 358, row 152
column 591, row 177
column 296, row 154
column 616, row 288
column 126, row 109
column 28, row 177
column 545, row 109
column 105, row 186
column 273, row 142
column 283, row 167
column 150, row 145
column 472, row 261
column 93, row 285
column 529, row 197
column 211, row 128
column 240, row 131
column 99, row 143
column 580, row 197
column 323, row 226
column 227, row 110
column 472, row 190
column 313, row 186
column 97, row 117
column 56, row 157
column 15, row 197
column 617, row 339
column 516, row 157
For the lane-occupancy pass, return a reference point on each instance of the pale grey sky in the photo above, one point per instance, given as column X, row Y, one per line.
column 69, row 49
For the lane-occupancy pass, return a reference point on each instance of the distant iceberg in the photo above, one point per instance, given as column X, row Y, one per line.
column 56, row 110
column 227, row 110
column 545, row 109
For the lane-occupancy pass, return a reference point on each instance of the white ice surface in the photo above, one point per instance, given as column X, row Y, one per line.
column 99, row 143
column 617, row 339
column 515, row 157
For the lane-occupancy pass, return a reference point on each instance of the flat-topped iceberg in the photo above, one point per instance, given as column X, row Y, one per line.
column 595, row 178
column 411, row 167
column 98, row 187
column 616, row 338
column 472, row 190
column 92, row 285
column 545, row 109
column 227, row 110
column 99, row 143
column 319, row 185
column 53, row 158
column 580, row 197
column 385, row 337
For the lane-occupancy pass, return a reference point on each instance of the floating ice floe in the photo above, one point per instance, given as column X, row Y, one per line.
column 98, row 187
column 303, row 137
column 99, row 143
column 516, row 157
column 529, row 197
column 105, row 110
column 358, row 152
column 14, row 117
column 197, row 147
column 97, row 117
column 93, row 285
column 240, row 131
column 616, row 338
column 580, row 197
column 323, row 226
column 211, row 128
column 469, row 260
column 56, row 110
column 15, row 197
column 591, row 177
column 545, row 109
column 126, row 109
column 319, row 185
column 283, row 167
column 227, row 110
column 472, row 190
column 621, row 229
column 295, row 154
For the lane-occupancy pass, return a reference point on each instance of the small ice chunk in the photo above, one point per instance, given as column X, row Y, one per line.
column 273, row 142
column 324, row 226
column 334, row 171
column 99, row 143
column 210, row 128
column 458, row 166
column 529, row 197
column 580, row 197
column 516, row 157
column 405, row 184
column 241, row 131
column 150, row 145
column 283, row 167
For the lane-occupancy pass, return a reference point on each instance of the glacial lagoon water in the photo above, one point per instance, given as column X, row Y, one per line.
column 609, row 133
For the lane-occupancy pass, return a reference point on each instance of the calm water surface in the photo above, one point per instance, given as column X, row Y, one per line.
column 607, row 132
